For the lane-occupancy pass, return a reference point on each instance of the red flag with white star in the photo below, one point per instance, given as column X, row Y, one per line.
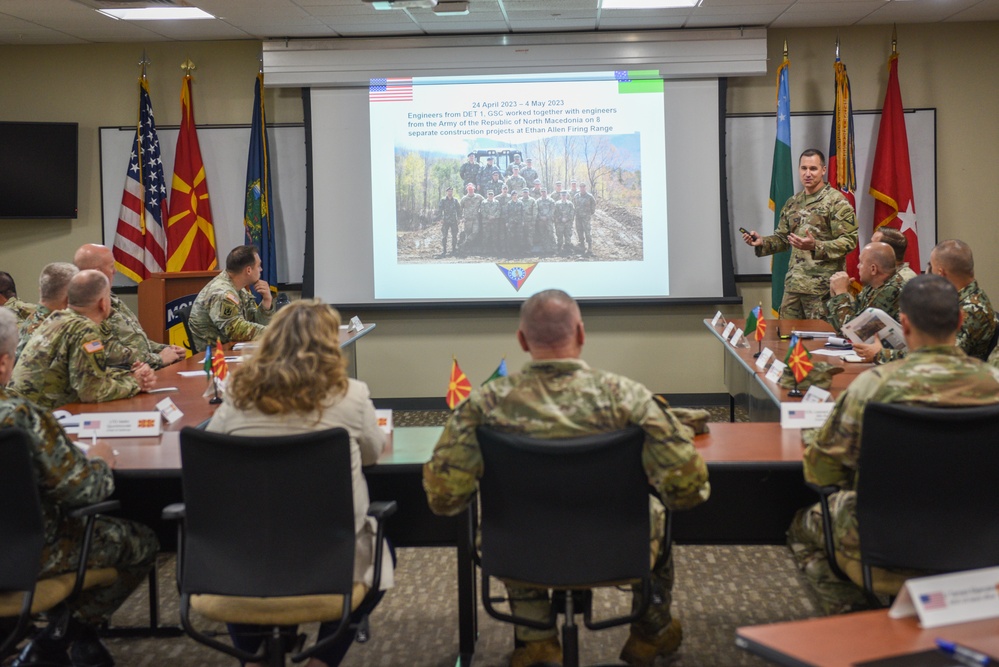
column 891, row 178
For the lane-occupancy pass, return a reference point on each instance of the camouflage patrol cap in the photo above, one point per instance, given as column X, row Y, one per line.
column 694, row 418
column 470, row 185
column 515, row 166
column 821, row 376
column 572, row 181
column 490, row 192
column 488, row 158
column 537, row 181
column 525, row 189
column 471, row 155
column 528, row 159
column 449, row 189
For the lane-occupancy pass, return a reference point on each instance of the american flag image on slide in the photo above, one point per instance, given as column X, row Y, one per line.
column 933, row 600
column 390, row 90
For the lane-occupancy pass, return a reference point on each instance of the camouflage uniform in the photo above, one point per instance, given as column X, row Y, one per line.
column 977, row 327
column 544, row 227
column 586, row 206
column 22, row 309
column 491, row 213
column 486, row 180
column 516, row 239
column 65, row 362
column 469, row 173
column 28, row 328
column 905, row 272
column 223, row 312
column 509, row 168
column 565, row 213
column 832, row 221
column 449, row 212
column 561, row 399
column 530, row 218
column 844, row 307
column 528, row 174
column 516, row 183
column 67, row 479
column 939, row 376
column 470, row 205
column 123, row 326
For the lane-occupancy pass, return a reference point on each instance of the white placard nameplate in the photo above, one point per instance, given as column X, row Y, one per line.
column 804, row 415
column 119, row 424
column 944, row 599
column 776, row 370
column 717, row 318
column 816, row 395
column 736, row 337
column 728, row 330
column 169, row 410
column 355, row 324
column 765, row 356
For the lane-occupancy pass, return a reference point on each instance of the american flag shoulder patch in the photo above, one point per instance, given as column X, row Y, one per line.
column 232, row 297
column 93, row 346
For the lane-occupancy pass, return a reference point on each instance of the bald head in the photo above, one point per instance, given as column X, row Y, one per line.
column 551, row 326
column 86, row 290
column 95, row 256
column 952, row 259
column 876, row 264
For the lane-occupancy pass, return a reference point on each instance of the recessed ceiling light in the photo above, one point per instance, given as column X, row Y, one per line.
column 157, row 13
column 648, row 4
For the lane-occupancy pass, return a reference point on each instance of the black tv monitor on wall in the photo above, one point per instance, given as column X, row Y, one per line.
column 38, row 170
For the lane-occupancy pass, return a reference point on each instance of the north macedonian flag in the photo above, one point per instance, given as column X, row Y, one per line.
column 190, row 233
column 798, row 360
column 459, row 387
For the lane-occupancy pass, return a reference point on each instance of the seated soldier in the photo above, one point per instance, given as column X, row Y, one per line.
column 67, row 478
column 935, row 373
column 556, row 396
column 882, row 287
column 64, row 362
column 8, row 298
column 53, row 290
column 121, row 329
column 225, row 309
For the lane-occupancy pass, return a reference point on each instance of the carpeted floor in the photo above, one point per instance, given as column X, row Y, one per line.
column 718, row 588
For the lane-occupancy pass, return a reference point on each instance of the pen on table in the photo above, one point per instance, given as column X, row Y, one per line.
column 964, row 654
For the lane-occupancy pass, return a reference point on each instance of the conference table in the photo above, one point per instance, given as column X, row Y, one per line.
column 849, row 640
column 755, row 471
column 747, row 386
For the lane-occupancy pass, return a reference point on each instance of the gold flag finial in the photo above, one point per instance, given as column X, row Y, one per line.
column 894, row 39
column 785, row 48
column 188, row 67
column 837, row 47
column 142, row 64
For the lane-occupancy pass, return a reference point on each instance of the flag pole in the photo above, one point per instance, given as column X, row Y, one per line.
column 795, row 392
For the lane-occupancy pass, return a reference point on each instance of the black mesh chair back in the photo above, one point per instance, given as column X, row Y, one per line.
column 267, row 516
column 567, row 512
column 927, row 496
column 22, row 532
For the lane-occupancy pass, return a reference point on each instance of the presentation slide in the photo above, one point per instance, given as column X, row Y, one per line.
column 482, row 185
column 647, row 150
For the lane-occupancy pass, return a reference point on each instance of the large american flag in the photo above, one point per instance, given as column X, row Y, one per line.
column 140, row 242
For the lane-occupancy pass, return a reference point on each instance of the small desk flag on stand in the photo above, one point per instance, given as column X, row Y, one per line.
column 459, row 387
column 500, row 372
column 799, row 361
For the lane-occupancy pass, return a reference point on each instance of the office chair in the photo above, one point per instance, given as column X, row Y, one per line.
column 926, row 495
column 267, row 535
column 992, row 343
column 22, row 537
column 566, row 514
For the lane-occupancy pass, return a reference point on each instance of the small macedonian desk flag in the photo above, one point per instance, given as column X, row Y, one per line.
column 799, row 361
column 459, row 387
column 756, row 325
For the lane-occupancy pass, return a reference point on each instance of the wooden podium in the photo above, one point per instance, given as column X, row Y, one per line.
column 158, row 290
